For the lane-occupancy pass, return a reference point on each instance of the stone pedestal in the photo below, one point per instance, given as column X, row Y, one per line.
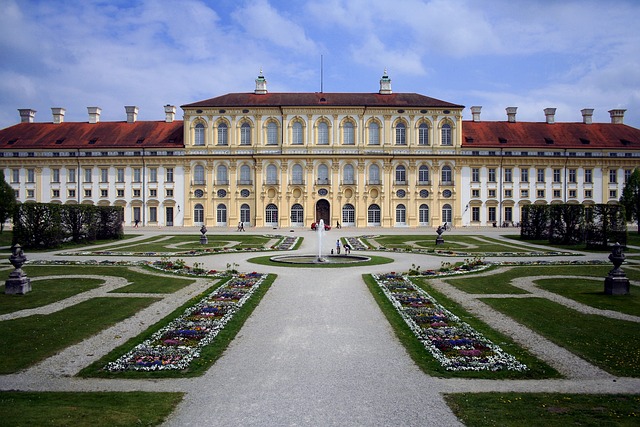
column 18, row 282
column 616, row 283
column 439, row 240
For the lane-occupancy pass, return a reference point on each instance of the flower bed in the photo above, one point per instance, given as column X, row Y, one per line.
column 178, row 343
column 455, row 344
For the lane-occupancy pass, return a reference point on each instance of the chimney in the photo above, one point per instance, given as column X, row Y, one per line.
column 617, row 116
column 132, row 113
column 261, row 84
column 94, row 114
column 170, row 113
column 27, row 115
column 550, row 114
column 587, row 115
column 58, row 114
column 385, row 84
column 511, row 114
column 475, row 111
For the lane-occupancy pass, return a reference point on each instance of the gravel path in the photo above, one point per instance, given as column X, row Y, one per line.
column 316, row 351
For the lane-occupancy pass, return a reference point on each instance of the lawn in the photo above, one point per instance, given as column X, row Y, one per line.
column 183, row 243
column 608, row 343
column 545, row 409
column 96, row 409
column 266, row 260
column 27, row 340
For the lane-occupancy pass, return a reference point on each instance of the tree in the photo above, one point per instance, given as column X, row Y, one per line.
column 7, row 201
column 631, row 197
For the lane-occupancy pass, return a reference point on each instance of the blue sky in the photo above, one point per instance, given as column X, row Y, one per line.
column 493, row 53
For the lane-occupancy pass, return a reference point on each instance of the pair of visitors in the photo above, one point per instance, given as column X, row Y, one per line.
column 338, row 224
column 347, row 249
column 241, row 226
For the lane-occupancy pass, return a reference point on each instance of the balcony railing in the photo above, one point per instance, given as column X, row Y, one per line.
column 323, row 181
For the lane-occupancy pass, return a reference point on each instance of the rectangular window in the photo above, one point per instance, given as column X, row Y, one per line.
column 627, row 175
column 137, row 175
column 475, row 193
column 104, row 193
column 31, row 176
column 508, row 214
column 153, row 214
column 524, row 175
column 153, row 175
column 87, row 192
column 31, row 193
column 153, row 193
column 541, row 194
column 588, row 194
column 104, row 175
column 613, row 176
column 613, row 194
column 492, row 193
column 169, row 192
column 55, row 175
column 136, row 193
column 557, row 173
column 524, row 193
column 71, row 175
column 572, row 175
column 540, row 175
column 557, row 194
column 72, row 193
column 120, row 173
column 120, row 192
column 492, row 175
column 508, row 175
column 56, row 194
column 169, row 174
column 588, row 178
column 475, row 175
column 572, row 194
column 15, row 176
column 492, row 214
column 475, row 214
column 87, row 175
column 17, row 193
column 508, row 194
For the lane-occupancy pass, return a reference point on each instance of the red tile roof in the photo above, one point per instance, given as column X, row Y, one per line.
column 101, row 135
column 315, row 99
column 552, row 136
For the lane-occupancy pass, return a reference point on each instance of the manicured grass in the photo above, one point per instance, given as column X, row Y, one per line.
column 209, row 353
column 181, row 243
column 545, row 409
column 266, row 260
column 5, row 238
column 633, row 239
column 608, row 343
column 96, row 409
column 28, row 340
column 422, row 357
column 139, row 282
column 461, row 243
column 45, row 292
column 591, row 293
column 499, row 283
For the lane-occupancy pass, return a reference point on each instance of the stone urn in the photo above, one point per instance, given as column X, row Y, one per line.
column 18, row 282
column 203, row 239
column 616, row 283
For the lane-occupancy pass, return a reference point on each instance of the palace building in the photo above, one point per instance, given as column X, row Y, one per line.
column 378, row 159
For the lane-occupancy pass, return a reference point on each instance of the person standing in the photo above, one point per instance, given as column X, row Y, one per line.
column 338, row 246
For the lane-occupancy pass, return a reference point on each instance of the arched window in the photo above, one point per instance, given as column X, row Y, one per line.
column 446, row 214
column 198, row 175
column 272, row 174
column 245, row 175
column 401, row 134
column 446, row 134
column 401, row 175
column 374, row 175
column 423, row 175
column 198, row 214
column 447, row 179
column 374, row 133
column 423, row 134
column 348, row 214
column 323, row 174
column 245, row 134
column 323, row 133
column 199, row 134
column 348, row 177
column 297, row 214
column 271, row 215
column 373, row 215
column 221, row 175
column 423, row 214
column 272, row 133
column 297, row 175
column 223, row 134
column 221, row 214
column 297, row 135
column 401, row 215
column 348, row 134
column 245, row 214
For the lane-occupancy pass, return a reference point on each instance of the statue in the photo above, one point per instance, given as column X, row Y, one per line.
column 18, row 282
column 203, row 239
column 440, row 239
column 616, row 283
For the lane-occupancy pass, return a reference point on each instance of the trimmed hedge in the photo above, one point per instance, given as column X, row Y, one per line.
column 48, row 225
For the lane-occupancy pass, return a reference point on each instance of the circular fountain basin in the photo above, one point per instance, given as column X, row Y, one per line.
column 326, row 259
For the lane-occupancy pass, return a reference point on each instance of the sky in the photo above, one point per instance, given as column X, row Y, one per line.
column 530, row 54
